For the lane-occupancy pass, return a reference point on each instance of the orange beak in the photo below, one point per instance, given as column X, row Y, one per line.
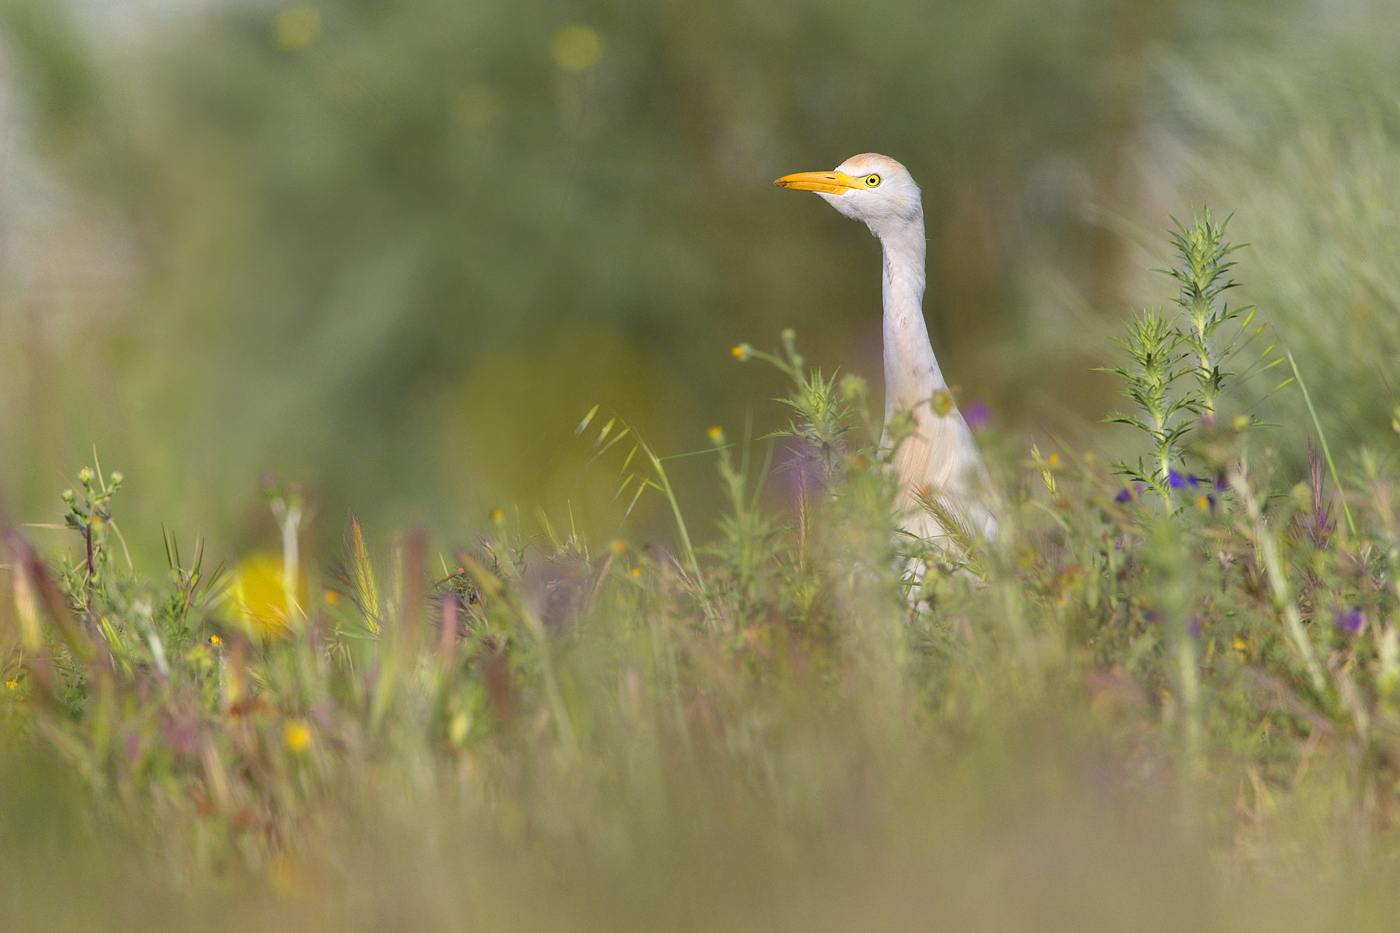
column 827, row 182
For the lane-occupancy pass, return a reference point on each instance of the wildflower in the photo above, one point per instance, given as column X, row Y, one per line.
column 742, row 352
column 332, row 597
column 1349, row 620
column 1181, row 480
column 636, row 571
column 1194, row 627
column 12, row 683
column 296, row 735
column 618, row 546
column 497, row 516
column 215, row 641
column 977, row 415
column 576, row 48
column 1124, row 495
column 261, row 598
column 943, row 403
column 296, row 27
column 717, row 434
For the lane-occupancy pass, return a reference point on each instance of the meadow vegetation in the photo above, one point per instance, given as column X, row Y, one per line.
column 1163, row 697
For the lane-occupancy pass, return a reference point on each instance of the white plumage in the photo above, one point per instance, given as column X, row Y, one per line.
column 939, row 463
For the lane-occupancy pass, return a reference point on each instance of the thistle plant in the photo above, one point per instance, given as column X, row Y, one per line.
column 1157, row 363
column 1203, row 271
column 826, row 409
column 1164, row 351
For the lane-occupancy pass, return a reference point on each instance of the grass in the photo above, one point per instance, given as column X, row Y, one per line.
column 1164, row 697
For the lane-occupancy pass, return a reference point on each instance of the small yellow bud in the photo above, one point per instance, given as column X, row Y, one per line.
column 216, row 641
column 296, row 735
column 717, row 434
column 943, row 403
column 497, row 516
column 618, row 546
column 742, row 352
column 636, row 571
column 1054, row 458
column 332, row 597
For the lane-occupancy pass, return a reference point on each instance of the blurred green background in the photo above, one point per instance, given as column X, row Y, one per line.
column 394, row 250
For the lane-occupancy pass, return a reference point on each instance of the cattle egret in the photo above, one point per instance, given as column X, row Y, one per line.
column 941, row 474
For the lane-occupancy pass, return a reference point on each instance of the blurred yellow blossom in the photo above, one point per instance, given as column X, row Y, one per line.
column 296, row 27
column 296, row 735
column 259, row 597
column 576, row 48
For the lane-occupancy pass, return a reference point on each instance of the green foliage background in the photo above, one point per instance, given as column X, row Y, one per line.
column 397, row 264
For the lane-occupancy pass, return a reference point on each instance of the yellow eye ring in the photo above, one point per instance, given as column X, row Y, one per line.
column 872, row 180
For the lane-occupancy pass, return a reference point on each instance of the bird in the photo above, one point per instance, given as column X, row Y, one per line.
column 942, row 479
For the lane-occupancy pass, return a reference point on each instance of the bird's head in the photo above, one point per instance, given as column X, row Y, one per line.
column 868, row 187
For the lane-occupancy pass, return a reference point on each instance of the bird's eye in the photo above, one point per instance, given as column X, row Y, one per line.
column 872, row 180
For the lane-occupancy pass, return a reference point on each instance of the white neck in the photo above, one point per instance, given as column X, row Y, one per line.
column 911, row 371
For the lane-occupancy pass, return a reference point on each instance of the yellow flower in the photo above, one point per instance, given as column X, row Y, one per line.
column 296, row 27
column 216, row 641
column 576, row 48
column 296, row 735
column 636, row 571
column 12, row 683
column 260, row 598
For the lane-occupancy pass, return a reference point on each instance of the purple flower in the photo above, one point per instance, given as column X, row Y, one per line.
column 1221, row 484
column 1349, row 620
column 1195, row 627
column 1123, row 495
column 977, row 415
column 1180, row 480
